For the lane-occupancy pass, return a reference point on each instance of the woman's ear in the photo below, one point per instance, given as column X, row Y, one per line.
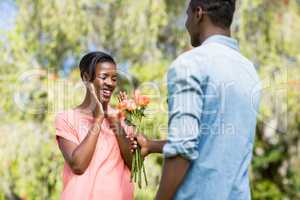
column 86, row 77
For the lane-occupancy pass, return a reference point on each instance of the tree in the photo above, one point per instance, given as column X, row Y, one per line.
column 269, row 38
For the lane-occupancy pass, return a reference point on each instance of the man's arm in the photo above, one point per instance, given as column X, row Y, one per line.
column 170, row 183
column 185, row 110
column 156, row 146
column 147, row 146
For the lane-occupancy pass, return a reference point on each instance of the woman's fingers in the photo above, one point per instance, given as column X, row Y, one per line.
column 122, row 96
column 119, row 97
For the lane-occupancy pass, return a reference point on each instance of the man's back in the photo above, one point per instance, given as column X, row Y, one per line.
column 222, row 101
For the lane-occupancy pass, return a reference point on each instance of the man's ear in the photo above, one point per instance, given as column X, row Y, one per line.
column 199, row 13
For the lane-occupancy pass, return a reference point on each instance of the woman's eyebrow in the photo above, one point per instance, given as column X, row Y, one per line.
column 106, row 73
column 101, row 73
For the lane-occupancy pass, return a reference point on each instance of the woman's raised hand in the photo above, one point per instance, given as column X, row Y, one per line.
column 95, row 105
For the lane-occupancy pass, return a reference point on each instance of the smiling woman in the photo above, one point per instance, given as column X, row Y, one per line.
column 97, row 159
column 100, row 68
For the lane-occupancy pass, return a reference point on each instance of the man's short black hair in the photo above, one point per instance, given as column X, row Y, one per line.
column 219, row 11
column 89, row 62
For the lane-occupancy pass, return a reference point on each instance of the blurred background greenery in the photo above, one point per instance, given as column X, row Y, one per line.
column 42, row 41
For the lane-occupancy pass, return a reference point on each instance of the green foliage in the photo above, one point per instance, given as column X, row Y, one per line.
column 130, row 28
column 48, row 32
column 145, row 34
column 29, row 164
column 270, row 39
column 266, row 190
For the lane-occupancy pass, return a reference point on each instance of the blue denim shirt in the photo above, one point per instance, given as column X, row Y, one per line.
column 213, row 99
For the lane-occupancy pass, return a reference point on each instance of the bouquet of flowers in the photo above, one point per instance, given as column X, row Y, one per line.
column 133, row 112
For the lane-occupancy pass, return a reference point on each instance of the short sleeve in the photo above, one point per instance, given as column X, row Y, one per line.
column 63, row 129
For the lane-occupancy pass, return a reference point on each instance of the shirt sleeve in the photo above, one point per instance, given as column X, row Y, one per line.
column 63, row 129
column 185, row 108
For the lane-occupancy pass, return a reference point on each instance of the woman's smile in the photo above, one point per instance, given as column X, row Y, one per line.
column 106, row 93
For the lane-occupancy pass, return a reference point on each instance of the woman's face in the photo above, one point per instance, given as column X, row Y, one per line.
column 105, row 81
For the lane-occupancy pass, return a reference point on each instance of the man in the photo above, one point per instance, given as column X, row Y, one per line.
column 213, row 97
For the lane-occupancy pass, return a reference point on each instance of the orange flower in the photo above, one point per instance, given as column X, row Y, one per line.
column 122, row 105
column 141, row 100
column 130, row 105
column 121, row 115
column 136, row 95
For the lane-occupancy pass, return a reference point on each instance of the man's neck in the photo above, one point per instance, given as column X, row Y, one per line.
column 214, row 31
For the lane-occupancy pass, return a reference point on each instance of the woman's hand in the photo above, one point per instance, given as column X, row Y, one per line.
column 115, row 123
column 95, row 105
column 122, row 96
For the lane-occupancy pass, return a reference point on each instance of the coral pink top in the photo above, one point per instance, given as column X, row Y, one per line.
column 107, row 176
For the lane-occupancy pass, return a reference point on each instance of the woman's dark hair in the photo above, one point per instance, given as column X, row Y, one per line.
column 89, row 62
column 219, row 11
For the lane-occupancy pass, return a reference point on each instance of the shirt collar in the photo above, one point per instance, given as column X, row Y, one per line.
column 224, row 40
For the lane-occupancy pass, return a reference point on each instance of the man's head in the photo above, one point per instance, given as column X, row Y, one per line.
column 206, row 16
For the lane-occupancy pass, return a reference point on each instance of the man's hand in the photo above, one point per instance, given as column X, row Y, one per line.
column 147, row 146
column 142, row 141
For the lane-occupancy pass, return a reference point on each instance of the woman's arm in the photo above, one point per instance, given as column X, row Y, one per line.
column 123, row 142
column 125, row 148
column 79, row 156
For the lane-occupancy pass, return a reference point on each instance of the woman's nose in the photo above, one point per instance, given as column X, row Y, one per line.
column 109, row 82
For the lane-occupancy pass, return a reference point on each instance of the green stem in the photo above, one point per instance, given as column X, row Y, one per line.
column 137, row 167
column 132, row 167
column 145, row 175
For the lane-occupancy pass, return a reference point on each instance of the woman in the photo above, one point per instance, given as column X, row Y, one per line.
column 94, row 146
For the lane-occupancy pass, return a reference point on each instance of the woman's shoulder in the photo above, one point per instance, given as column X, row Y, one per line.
column 65, row 113
column 67, row 116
